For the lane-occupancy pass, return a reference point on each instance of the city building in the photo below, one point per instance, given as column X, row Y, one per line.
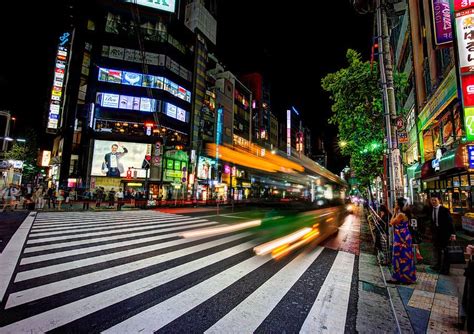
column 439, row 114
column 129, row 89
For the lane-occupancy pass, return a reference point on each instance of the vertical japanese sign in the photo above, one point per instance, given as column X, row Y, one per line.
column 464, row 18
column 60, row 71
column 288, row 132
column 465, row 38
column 442, row 22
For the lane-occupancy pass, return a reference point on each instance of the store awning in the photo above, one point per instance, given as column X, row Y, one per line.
column 412, row 171
column 427, row 170
column 450, row 161
column 453, row 159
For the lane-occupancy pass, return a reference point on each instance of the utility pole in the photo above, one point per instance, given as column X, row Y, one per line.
column 386, row 77
column 8, row 118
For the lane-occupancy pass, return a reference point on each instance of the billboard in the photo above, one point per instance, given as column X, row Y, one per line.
column 126, row 102
column 204, row 169
column 464, row 33
column 167, row 6
column 113, row 159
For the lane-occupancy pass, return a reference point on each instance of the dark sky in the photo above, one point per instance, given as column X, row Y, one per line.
column 292, row 45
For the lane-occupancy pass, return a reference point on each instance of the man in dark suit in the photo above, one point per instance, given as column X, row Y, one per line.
column 443, row 232
column 111, row 162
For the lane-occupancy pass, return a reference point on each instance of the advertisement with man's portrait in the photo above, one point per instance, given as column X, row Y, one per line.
column 114, row 158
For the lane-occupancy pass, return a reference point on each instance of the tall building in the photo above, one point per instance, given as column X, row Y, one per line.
column 123, row 96
column 435, row 152
column 261, row 108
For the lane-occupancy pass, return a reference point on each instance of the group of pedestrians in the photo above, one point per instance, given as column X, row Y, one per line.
column 405, row 230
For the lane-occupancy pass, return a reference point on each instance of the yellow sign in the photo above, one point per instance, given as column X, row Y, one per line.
column 45, row 158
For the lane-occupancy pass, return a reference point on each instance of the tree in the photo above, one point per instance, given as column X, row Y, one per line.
column 26, row 152
column 358, row 113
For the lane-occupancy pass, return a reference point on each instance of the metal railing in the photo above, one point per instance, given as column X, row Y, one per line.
column 380, row 236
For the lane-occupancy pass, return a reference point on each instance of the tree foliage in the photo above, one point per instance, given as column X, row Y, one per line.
column 358, row 112
column 26, row 152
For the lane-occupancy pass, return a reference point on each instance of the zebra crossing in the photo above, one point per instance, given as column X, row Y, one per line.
column 127, row 272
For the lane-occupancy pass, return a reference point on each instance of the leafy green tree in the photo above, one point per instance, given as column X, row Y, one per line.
column 358, row 113
column 26, row 152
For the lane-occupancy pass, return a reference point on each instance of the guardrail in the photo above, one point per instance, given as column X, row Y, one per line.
column 380, row 236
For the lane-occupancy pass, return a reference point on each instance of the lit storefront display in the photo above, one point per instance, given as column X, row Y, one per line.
column 450, row 175
column 142, row 80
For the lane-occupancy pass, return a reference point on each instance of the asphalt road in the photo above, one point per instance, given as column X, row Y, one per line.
column 133, row 271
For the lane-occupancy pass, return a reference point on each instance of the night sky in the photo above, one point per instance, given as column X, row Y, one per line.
column 292, row 45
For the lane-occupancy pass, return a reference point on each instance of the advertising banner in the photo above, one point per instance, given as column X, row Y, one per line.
column 469, row 122
column 205, row 166
column 467, row 82
column 465, row 35
column 112, row 158
column 462, row 4
column 442, row 22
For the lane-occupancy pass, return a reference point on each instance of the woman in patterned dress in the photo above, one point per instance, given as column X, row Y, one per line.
column 404, row 271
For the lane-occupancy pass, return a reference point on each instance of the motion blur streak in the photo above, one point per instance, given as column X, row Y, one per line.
column 268, row 163
column 274, row 244
column 306, row 239
column 221, row 230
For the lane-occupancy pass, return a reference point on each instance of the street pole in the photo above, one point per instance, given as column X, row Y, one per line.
column 386, row 77
column 7, row 128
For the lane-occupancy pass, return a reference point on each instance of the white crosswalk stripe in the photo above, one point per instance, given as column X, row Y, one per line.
column 77, row 270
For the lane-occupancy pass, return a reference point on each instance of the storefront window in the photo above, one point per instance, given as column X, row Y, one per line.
column 442, row 184
column 456, row 182
column 464, row 181
column 449, row 182
column 471, row 177
column 459, row 201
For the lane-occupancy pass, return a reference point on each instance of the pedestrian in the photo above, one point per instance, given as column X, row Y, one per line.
column 60, row 198
column 99, row 195
column 39, row 198
column 111, row 197
column 119, row 196
column 9, row 197
column 443, row 232
column 404, row 271
column 72, row 197
column 51, row 197
column 86, row 197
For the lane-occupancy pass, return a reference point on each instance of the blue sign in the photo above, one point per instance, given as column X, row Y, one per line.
column 470, row 155
column 219, row 126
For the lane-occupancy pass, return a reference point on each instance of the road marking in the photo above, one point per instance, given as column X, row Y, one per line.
column 102, row 233
column 11, row 253
column 70, row 265
column 329, row 311
column 28, row 295
column 65, row 314
column 159, row 315
column 249, row 314
column 85, row 250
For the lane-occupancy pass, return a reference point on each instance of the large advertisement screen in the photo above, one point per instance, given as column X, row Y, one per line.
column 205, row 166
column 113, row 158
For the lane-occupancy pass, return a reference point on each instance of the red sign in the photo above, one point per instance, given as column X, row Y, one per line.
column 462, row 4
column 467, row 82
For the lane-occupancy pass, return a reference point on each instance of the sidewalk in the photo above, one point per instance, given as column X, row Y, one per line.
column 431, row 305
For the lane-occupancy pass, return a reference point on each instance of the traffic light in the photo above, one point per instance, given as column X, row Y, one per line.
column 147, row 161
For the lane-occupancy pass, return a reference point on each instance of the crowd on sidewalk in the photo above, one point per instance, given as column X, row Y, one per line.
column 13, row 197
column 429, row 223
